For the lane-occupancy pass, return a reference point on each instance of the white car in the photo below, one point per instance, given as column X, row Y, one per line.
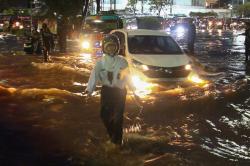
column 153, row 55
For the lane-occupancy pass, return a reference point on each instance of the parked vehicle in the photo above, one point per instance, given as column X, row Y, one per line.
column 144, row 22
column 94, row 28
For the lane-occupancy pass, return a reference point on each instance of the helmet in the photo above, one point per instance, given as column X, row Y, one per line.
column 110, row 45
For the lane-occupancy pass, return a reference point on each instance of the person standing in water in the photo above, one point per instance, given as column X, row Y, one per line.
column 48, row 41
column 111, row 71
column 247, row 41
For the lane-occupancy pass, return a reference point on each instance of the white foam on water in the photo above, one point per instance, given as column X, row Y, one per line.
column 60, row 67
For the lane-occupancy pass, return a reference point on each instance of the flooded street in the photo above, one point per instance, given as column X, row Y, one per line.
column 47, row 120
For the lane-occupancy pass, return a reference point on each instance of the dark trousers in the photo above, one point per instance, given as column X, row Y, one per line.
column 112, row 109
column 45, row 54
column 46, row 50
column 247, row 52
column 62, row 41
column 191, row 45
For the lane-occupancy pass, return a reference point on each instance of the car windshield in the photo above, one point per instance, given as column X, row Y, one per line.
column 100, row 26
column 152, row 45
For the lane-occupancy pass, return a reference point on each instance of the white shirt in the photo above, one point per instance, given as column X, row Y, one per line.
column 117, row 65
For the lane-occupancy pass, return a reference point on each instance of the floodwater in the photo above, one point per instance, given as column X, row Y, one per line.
column 47, row 120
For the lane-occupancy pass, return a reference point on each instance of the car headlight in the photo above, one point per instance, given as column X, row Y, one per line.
column 144, row 67
column 85, row 44
column 180, row 30
column 142, row 88
column 194, row 78
column 188, row 67
column 219, row 23
column 27, row 45
column 168, row 29
column 140, row 65
column 17, row 24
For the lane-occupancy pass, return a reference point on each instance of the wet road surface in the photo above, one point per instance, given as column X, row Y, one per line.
column 46, row 119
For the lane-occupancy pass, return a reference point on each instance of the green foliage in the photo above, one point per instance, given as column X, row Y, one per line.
column 9, row 12
column 6, row 4
column 65, row 7
column 200, row 14
column 16, row 11
column 244, row 10
column 132, row 4
column 158, row 5
column 153, row 23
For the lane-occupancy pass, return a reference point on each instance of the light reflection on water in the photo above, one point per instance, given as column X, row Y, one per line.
column 181, row 115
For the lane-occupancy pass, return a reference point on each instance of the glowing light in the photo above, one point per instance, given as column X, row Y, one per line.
column 180, row 31
column 175, row 91
column 142, row 88
column 85, row 45
column 168, row 29
column 196, row 79
column 219, row 32
column 85, row 58
column 134, row 27
column 188, row 67
column 210, row 23
column 219, row 23
column 17, row 24
column 98, row 21
column 145, row 67
column 21, row 27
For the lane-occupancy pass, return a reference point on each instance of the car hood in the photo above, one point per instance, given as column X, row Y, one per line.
column 162, row 60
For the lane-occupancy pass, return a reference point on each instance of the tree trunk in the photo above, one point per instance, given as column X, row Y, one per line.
column 85, row 10
column 98, row 6
column 62, row 34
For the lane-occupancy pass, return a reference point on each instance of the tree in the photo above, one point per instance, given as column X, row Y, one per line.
column 5, row 4
column 86, row 7
column 158, row 5
column 244, row 10
column 132, row 5
column 64, row 9
column 201, row 14
column 98, row 6
column 223, row 3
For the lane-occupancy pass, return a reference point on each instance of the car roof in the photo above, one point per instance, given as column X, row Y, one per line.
column 132, row 32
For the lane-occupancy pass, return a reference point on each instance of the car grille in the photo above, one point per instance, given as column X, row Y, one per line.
column 166, row 72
